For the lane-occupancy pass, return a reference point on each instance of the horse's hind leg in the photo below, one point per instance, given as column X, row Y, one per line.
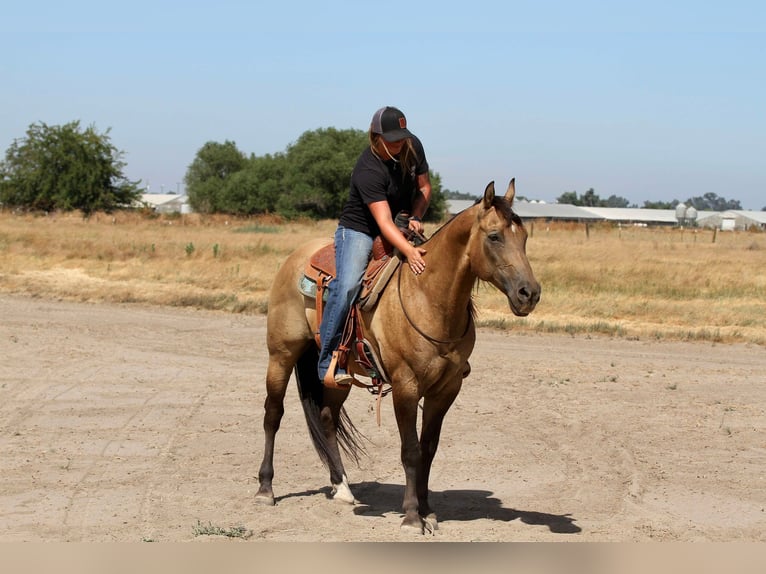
column 330, row 418
column 277, row 377
column 323, row 409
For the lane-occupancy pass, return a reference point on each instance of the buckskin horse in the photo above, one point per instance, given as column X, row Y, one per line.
column 422, row 329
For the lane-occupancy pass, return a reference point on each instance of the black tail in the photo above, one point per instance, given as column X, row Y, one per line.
column 311, row 391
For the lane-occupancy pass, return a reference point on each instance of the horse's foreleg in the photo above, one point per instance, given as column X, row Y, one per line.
column 406, row 410
column 276, row 384
column 434, row 411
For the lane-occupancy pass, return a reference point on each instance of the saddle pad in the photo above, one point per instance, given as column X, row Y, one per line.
column 308, row 288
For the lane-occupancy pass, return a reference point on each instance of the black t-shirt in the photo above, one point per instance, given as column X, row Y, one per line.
column 376, row 180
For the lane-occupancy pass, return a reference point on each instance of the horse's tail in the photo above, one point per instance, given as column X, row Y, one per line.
column 311, row 392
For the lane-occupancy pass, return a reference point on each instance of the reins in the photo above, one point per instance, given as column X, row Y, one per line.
column 418, row 329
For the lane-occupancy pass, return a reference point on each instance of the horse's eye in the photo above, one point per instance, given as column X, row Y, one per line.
column 495, row 237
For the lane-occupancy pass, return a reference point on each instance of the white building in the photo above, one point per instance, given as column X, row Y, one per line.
column 166, row 202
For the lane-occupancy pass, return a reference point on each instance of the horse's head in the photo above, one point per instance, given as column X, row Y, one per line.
column 497, row 250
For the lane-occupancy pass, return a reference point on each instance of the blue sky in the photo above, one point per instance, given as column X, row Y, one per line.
column 646, row 100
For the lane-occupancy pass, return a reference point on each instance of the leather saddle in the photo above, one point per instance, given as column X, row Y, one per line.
column 320, row 271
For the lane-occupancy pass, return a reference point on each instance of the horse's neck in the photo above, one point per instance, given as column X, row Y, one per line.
column 448, row 281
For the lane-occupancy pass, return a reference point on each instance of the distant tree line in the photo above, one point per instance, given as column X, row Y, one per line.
column 69, row 168
column 708, row 202
column 591, row 199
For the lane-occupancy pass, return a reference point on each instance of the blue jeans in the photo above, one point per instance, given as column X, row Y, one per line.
column 352, row 252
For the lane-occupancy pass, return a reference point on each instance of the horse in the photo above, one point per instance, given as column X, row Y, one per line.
column 423, row 331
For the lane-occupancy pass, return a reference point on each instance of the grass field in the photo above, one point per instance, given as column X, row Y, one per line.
column 626, row 282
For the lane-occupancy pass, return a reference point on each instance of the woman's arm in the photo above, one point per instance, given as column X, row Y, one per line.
column 420, row 202
column 382, row 213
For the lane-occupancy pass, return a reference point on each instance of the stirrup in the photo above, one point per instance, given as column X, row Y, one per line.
column 333, row 381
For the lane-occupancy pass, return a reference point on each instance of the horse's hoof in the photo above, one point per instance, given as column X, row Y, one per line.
column 342, row 493
column 430, row 524
column 410, row 528
column 418, row 526
column 264, row 499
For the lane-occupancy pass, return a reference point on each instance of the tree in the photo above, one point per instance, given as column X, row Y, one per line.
column 319, row 167
column 206, row 176
column 452, row 194
column 661, row 204
column 437, row 207
column 256, row 188
column 65, row 168
column 711, row 202
column 591, row 199
column 615, row 201
column 310, row 179
column 568, row 198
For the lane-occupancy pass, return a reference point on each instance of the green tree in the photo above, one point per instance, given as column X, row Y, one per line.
column 310, row 179
column 318, row 170
column 256, row 188
column 661, row 204
column 591, row 199
column 207, row 175
column 615, row 201
column 452, row 194
column 568, row 198
column 65, row 168
column 712, row 202
column 437, row 207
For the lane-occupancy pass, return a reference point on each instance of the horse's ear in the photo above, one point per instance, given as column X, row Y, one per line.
column 511, row 192
column 489, row 195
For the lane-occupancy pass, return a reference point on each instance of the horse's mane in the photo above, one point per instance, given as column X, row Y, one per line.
column 501, row 205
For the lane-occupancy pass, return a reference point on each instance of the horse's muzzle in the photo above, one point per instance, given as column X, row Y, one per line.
column 524, row 298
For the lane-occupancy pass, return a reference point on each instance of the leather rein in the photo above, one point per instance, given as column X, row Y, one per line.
column 418, row 329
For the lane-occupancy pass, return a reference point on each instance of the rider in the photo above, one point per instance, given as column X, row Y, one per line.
column 390, row 176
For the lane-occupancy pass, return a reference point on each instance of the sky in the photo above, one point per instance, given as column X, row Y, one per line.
column 650, row 101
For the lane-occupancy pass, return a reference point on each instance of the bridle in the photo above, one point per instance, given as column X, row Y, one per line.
column 418, row 329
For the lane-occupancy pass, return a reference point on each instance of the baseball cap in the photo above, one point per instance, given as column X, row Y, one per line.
column 390, row 123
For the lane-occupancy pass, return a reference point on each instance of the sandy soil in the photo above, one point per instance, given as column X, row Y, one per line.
column 131, row 423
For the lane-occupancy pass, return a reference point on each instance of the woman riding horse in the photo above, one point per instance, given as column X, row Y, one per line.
column 390, row 176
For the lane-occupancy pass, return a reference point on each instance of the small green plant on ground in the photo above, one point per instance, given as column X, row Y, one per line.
column 210, row 530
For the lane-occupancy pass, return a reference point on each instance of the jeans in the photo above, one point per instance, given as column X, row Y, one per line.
column 352, row 252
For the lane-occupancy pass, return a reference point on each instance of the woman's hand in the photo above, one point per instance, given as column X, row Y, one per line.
column 415, row 225
column 415, row 259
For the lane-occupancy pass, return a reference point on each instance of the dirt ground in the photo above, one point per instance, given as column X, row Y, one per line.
column 131, row 423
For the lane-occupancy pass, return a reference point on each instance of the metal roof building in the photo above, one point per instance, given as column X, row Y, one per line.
column 639, row 216
column 533, row 210
column 739, row 220
column 733, row 219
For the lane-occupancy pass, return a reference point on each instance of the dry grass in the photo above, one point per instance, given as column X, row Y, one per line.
column 630, row 282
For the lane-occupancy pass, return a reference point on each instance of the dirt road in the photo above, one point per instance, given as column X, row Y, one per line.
column 130, row 423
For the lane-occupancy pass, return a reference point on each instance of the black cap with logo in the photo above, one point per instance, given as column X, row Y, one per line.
column 390, row 123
